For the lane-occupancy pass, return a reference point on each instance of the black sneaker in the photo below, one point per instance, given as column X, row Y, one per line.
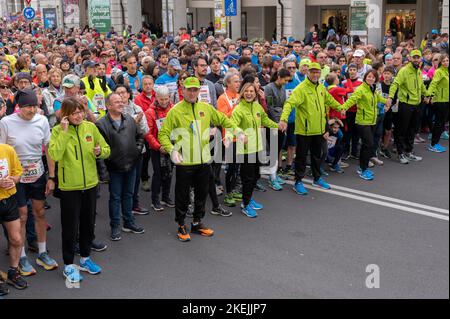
column 133, row 228
column 16, row 280
column 115, row 234
column 157, row 207
column 221, row 211
column 354, row 156
column 98, row 246
column 168, row 202
column 140, row 211
column 385, row 153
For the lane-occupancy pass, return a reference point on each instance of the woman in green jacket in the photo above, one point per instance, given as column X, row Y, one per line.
column 367, row 99
column 250, row 116
column 76, row 144
column 439, row 91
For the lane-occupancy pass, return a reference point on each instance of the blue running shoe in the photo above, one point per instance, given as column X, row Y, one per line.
column 322, row 184
column 72, row 274
column 444, row 136
column 89, row 266
column 437, row 148
column 25, row 267
column 324, row 172
column 337, row 168
column 366, row 175
column 255, row 205
column 249, row 211
column 45, row 261
column 280, row 180
column 300, row 189
column 275, row 185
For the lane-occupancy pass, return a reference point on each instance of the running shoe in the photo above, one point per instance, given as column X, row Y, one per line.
column 403, row 159
column 437, row 148
column 183, row 235
column 300, row 189
column 337, row 168
column 201, row 229
column 385, row 153
column 275, row 185
column 72, row 274
column 260, row 187
column 115, row 234
column 139, row 210
column 229, row 200
column 413, row 158
column 98, row 246
column 15, row 279
column 344, row 164
column 249, row 211
column 4, row 290
column 157, row 207
column 46, row 262
column 25, row 267
column 237, row 195
column 255, row 205
column 280, row 180
column 377, row 161
column 89, row 266
column 366, row 175
column 168, row 202
column 145, row 186
column 133, row 228
column 444, row 136
column 220, row 211
column 322, row 184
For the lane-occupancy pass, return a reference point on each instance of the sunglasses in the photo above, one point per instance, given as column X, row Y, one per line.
column 3, row 87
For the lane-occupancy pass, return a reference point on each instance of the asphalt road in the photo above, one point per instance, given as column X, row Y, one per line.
column 299, row 247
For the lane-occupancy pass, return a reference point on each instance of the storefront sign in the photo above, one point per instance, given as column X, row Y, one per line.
column 358, row 20
column 50, row 19
column 100, row 15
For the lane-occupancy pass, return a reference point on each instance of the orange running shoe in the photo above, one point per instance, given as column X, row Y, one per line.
column 202, row 230
column 183, row 235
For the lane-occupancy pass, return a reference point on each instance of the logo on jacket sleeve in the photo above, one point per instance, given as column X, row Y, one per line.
column 201, row 114
column 89, row 138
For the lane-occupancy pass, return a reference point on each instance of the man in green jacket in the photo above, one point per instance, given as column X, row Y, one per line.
column 309, row 100
column 188, row 124
column 409, row 87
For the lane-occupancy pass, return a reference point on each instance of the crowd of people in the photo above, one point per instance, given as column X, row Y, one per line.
column 79, row 108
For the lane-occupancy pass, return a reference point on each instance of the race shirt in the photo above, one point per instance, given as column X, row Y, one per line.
column 205, row 95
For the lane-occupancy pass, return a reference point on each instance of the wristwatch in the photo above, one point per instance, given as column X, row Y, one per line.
column 53, row 179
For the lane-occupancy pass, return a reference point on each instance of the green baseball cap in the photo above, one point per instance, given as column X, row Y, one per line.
column 315, row 66
column 305, row 62
column 415, row 53
column 192, row 82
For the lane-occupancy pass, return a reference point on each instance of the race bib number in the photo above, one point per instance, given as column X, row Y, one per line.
column 32, row 171
column 172, row 86
column 99, row 102
column 204, row 95
column 331, row 141
column 159, row 123
column 4, row 168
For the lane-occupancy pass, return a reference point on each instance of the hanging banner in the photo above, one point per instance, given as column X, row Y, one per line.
column 100, row 15
column 71, row 12
column 358, row 18
column 50, row 19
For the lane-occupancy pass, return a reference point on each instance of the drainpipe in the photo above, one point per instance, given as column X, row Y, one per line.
column 122, row 12
column 282, row 18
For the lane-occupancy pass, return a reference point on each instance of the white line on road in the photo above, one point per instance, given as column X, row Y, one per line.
column 390, row 199
column 377, row 202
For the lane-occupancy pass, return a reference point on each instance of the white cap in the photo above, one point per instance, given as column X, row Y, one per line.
column 359, row 53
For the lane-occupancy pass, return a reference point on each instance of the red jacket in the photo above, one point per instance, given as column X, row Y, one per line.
column 355, row 83
column 144, row 102
column 340, row 95
column 152, row 114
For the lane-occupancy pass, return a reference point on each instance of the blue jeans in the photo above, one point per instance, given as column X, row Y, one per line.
column 121, row 190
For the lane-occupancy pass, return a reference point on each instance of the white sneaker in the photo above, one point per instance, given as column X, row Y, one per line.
column 413, row 158
column 377, row 161
column 371, row 164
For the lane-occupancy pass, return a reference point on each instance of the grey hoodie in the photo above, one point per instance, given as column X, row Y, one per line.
column 275, row 98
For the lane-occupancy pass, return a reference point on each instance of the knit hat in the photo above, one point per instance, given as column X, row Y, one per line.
column 26, row 97
column 23, row 75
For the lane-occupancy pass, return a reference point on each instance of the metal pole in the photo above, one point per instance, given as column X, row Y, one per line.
column 167, row 17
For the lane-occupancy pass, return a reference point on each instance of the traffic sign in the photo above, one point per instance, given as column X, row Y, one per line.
column 28, row 2
column 29, row 13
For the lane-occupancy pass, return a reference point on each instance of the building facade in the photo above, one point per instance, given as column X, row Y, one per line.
column 260, row 19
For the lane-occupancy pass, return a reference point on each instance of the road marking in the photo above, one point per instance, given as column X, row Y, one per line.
column 378, row 202
column 390, row 199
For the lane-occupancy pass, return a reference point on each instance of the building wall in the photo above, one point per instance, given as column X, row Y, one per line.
column 445, row 17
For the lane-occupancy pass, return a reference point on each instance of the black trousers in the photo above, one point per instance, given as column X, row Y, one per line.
column 145, row 160
column 351, row 137
column 314, row 145
column 249, row 176
column 366, row 133
column 212, row 186
column 232, row 170
column 407, row 118
column 440, row 111
column 77, row 213
column 196, row 176
column 162, row 176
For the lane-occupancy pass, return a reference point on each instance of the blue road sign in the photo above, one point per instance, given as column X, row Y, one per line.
column 230, row 8
column 29, row 13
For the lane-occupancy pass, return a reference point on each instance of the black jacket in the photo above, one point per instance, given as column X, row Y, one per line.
column 126, row 143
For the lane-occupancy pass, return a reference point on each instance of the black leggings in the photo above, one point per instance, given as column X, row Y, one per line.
column 249, row 176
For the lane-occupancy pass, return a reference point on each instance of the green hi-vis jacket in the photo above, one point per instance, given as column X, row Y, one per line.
column 188, row 125
column 74, row 152
column 409, row 85
column 309, row 100
column 367, row 101
column 438, row 88
column 250, row 117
